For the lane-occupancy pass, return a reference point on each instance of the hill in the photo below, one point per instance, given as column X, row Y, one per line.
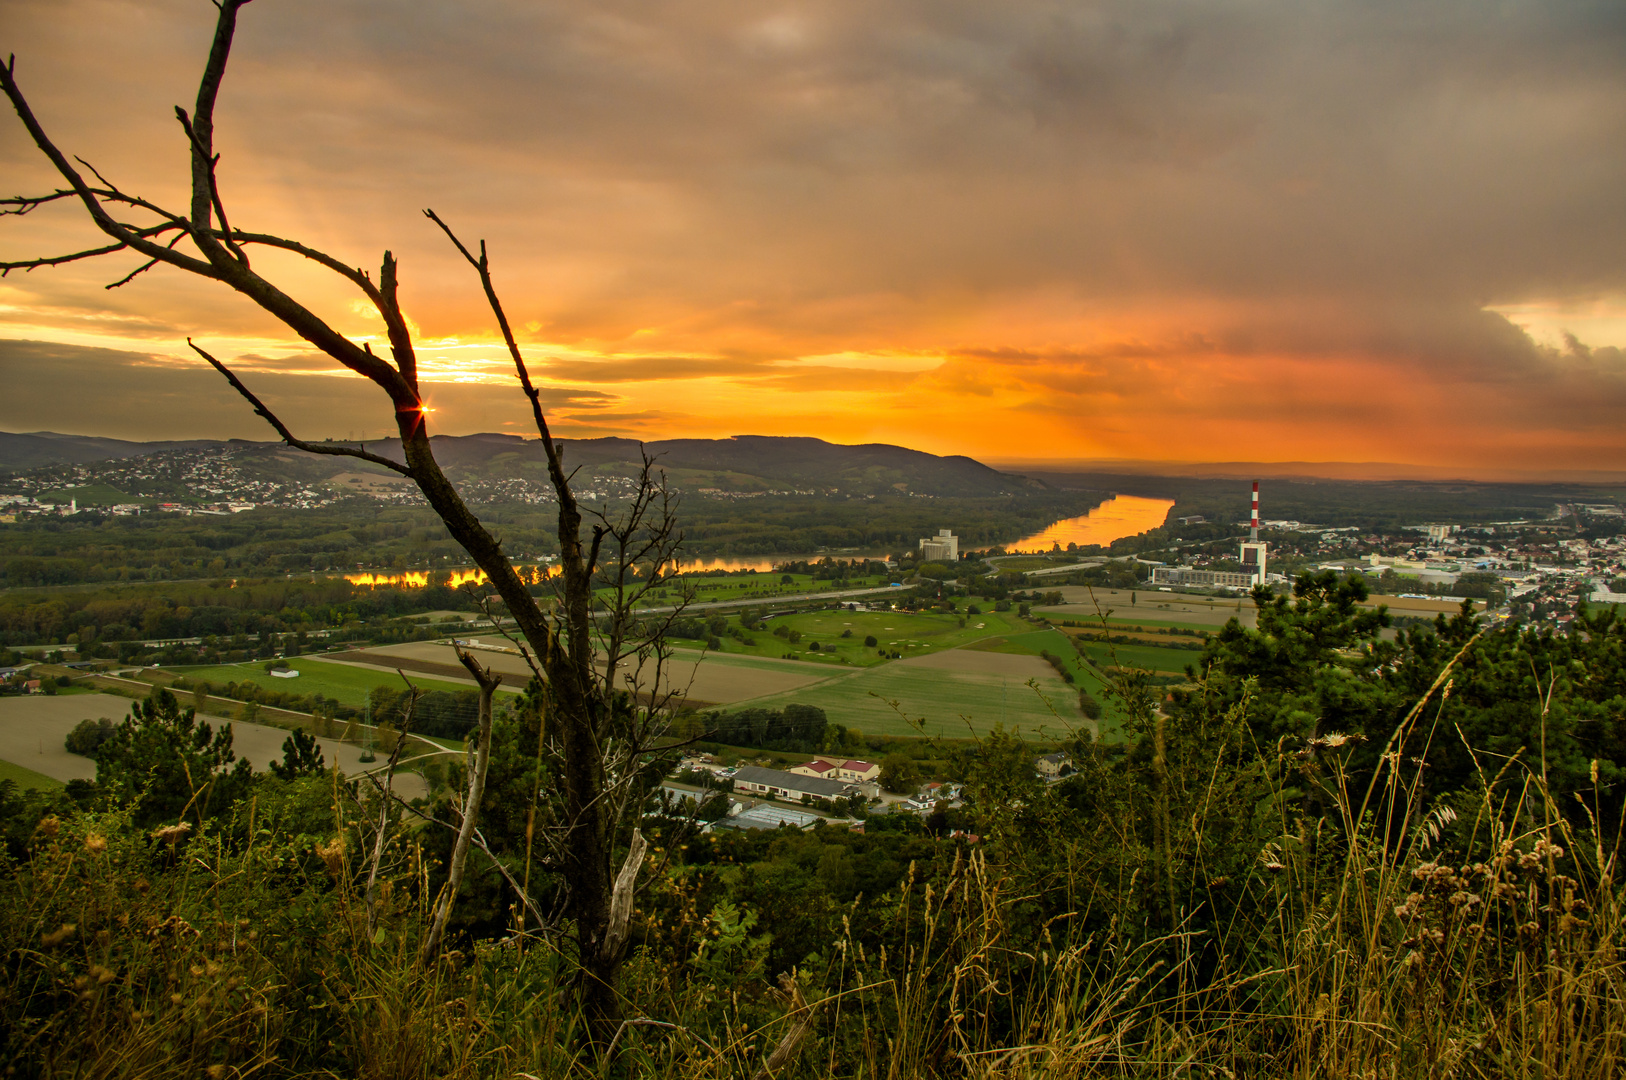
column 744, row 464
column 37, row 449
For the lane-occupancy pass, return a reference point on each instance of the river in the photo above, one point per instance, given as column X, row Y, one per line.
column 1119, row 516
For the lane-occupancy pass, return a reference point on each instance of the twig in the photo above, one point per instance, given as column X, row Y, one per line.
column 288, row 436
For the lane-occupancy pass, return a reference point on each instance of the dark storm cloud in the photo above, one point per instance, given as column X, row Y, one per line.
column 1263, row 194
column 80, row 390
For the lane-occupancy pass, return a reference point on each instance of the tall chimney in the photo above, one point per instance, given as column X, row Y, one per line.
column 1253, row 530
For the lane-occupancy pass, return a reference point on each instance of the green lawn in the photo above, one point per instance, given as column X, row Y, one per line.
column 90, row 495
column 863, row 683
column 947, row 704
column 1056, row 643
column 345, row 683
column 1171, row 661
column 27, row 778
column 1119, row 620
column 905, row 632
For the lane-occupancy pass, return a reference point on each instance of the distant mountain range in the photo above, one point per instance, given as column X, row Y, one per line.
column 743, row 463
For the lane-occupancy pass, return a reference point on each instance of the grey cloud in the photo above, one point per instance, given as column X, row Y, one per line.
column 1465, row 150
column 80, row 390
column 1353, row 179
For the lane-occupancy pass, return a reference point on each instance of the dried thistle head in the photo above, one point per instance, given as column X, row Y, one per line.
column 95, row 843
column 58, row 936
column 332, row 854
column 171, row 834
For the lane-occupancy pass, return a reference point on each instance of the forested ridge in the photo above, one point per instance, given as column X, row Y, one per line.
column 95, row 548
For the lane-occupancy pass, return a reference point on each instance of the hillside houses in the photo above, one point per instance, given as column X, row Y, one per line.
column 853, row 772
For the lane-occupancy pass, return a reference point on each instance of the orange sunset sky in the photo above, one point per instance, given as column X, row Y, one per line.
column 1023, row 230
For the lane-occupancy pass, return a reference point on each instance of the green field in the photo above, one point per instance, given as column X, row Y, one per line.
column 944, row 704
column 1170, row 661
column 1119, row 623
column 27, row 778
column 953, row 702
column 344, row 683
column 898, row 631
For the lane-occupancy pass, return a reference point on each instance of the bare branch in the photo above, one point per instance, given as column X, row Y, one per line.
column 89, row 196
column 801, row 1015
column 482, row 266
column 621, row 899
column 18, row 205
column 58, row 260
column 131, row 276
column 288, row 436
column 349, row 273
column 384, row 815
column 389, row 305
column 201, row 129
column 480, row 759
column 213, row 161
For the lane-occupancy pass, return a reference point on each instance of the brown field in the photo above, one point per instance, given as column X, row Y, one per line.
column 1150, row 606
column 714, row 680
column 1405, row 606
column 32, row 730
column 366, row 483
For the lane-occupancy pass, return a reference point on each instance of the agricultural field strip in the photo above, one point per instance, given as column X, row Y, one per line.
column 33, row 730
column 977, row 684
column 1120, row 623
column 944, row 703
column 1162, row 661
column 27, row 778
column 346, row 683
column 703, row 681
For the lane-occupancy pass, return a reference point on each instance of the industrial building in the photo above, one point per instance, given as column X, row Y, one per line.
column 1252, row 554
column 943, row 548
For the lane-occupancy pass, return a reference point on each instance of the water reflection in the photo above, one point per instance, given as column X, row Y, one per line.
column 1119, row 516
column 762, row 564
column 415, row 579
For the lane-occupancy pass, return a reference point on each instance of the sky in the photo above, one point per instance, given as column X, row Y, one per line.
column 1027, row 231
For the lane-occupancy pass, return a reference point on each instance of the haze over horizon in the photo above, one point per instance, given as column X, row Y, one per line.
column 1035, row 232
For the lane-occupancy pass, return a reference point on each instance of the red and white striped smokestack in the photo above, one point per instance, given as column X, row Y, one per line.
column 1253, row 530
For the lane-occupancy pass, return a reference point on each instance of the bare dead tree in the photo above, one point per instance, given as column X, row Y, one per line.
column 602, row 668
